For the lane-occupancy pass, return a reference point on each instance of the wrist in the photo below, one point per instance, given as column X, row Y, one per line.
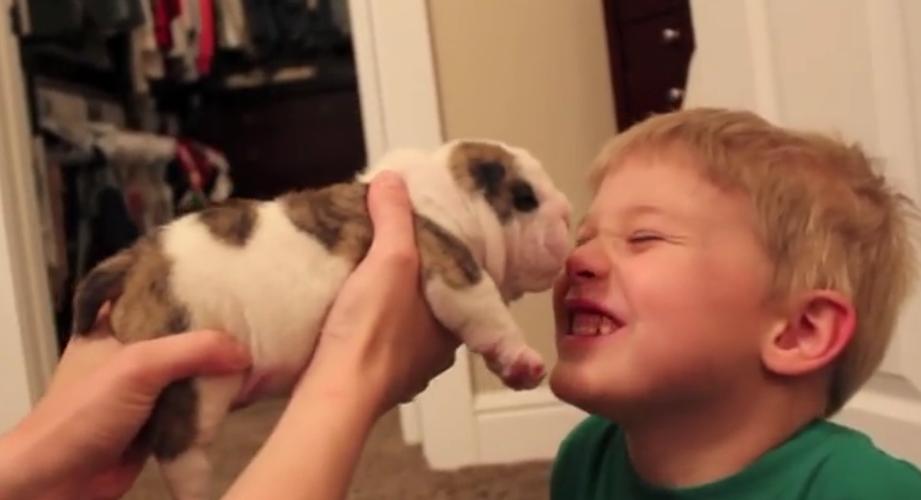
column 362, row 383
column 358, row 398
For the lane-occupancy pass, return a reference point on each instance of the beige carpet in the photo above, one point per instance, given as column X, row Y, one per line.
column 388, row 469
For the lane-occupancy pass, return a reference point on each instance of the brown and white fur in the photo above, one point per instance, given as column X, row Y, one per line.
column 490, row 225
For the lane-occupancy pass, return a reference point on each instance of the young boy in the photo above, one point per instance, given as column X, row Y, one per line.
column 733, row 285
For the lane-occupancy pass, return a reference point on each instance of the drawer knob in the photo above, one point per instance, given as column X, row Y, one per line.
column 670, row 35
column 675, row 94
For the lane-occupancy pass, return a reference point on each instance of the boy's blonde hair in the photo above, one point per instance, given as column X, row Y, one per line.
column 826, row 218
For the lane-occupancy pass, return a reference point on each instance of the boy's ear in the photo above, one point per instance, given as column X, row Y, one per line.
column 818, row 327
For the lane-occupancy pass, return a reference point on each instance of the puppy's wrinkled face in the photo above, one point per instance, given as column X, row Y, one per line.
column 533, row 213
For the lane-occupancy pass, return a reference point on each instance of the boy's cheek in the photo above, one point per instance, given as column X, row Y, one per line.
column 560, row 288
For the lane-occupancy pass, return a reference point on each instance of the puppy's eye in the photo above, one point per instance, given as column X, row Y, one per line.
column 523, row 197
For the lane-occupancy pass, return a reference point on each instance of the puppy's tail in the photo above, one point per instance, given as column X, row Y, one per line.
column 105, row 282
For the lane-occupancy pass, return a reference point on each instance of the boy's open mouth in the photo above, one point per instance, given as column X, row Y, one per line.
column 588, row 320
column 588, row 324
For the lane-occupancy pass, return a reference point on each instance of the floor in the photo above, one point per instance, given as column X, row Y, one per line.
column 388, row 469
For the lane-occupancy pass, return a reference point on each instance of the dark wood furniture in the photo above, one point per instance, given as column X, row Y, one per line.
column 650, row 44
column 287, row 136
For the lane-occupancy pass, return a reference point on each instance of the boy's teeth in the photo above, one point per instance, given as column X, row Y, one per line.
column 606, row 327
column 590, row 324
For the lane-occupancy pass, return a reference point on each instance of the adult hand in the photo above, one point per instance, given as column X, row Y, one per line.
column 380, row 333
column 79, row 441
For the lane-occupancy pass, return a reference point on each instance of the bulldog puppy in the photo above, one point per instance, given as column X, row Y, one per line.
column 490, row 225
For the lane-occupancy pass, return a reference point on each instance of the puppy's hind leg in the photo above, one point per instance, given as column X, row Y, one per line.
column 184, row 424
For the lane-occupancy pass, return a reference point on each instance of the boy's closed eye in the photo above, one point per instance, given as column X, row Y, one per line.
column 643, row 239
column 644, row 236
column 634, row 238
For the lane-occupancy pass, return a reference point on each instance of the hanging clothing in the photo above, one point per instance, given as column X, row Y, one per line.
column 56, row 18
column 233, row 29
column 111, row 16
column 139, row 162
column 200, row 176
column 263, row 31
column 340, row 12
column 164, row 13
column 206, row 37
column 181, row 57
column 146, row 60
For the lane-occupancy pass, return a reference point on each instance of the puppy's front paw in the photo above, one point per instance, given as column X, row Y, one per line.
column 525, row 372
column 519, row 368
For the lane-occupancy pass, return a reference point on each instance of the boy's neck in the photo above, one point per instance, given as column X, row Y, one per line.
column 713, row 442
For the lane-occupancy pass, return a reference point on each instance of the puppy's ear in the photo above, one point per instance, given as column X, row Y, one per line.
column 104, row 283
column 488, row 175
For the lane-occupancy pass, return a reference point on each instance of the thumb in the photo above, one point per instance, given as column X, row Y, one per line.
column 160, row 361
column 392, row 216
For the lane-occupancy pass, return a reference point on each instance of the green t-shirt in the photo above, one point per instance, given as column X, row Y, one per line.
column 823, row 461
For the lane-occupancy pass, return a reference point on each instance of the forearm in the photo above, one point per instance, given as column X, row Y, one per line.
column 25, row 470
column 12, row 482
column 314, row 448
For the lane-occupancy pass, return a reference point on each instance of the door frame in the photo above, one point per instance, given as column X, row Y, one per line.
column 28, row 343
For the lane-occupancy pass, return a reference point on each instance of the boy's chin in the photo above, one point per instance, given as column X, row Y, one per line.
column 580, row 386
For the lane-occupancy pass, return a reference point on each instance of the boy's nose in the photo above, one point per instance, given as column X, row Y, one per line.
column 587, row 262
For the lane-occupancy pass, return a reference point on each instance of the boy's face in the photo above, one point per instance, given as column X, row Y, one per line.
column 664, row 300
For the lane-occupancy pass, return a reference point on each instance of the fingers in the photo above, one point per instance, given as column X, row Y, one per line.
column 156, row 363
column 391, row 213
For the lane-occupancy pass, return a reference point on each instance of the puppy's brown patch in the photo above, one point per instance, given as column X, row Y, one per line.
column 492, row 170
column 231, row 222
column 171, row 429
column 147, row 308
column 337, row 216
column 443, row 254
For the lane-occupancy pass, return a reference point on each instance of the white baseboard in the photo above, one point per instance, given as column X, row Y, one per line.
column 521, row 426
column 409, row 423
